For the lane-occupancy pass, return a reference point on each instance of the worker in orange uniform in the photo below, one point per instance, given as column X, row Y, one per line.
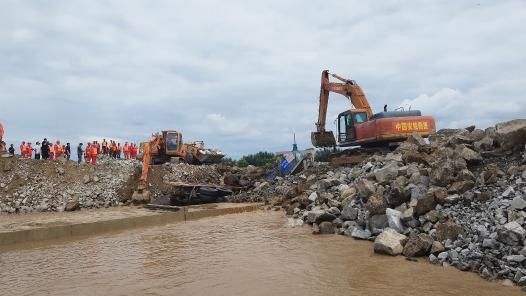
column 94, row 152
column 118, row 151
column 29, row 150
column 58, row 149
column 112, row 149
column 126, row 150
column 87, row 153
column 23, row 149
column 50, row 147
column 104, row 146
column 133, row 151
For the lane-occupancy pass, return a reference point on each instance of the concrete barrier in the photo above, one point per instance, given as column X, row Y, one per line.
column 20, row 235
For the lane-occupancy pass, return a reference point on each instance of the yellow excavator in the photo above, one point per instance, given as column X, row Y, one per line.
column 168, row 146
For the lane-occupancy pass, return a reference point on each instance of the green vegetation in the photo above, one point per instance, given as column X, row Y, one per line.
column 259, row 159
column 322, row 155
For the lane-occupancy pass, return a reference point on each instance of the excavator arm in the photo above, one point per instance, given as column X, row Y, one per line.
column 141, row 194
column 347, row 88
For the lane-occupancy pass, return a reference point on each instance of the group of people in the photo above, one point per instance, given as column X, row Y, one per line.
column 46, row 150
column 113, row 150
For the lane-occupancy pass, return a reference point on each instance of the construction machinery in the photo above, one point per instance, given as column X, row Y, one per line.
column 380, row 132
column 168, row 146
column 164, row 147
column 142, row 195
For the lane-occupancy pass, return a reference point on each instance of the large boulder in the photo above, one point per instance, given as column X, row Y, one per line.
column 349, row 213
column 416, row 138
column 399, row 193
column 376, row 204
column 349, row 192
column 471, row 156
column 477, row 135
column 387, row 173
column 485, row 144
column 448, row 230
column 461, row 187
column 389, row 242
column 442, row 136
column 319, row 216
column 511, row 233
column 325, row 228
column 511, row 133
column 365, row 188
column 419, row 245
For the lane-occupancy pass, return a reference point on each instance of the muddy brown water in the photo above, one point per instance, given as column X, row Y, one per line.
column 239, row 254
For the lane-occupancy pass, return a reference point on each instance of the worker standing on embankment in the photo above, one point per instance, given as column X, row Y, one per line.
column 94, row 152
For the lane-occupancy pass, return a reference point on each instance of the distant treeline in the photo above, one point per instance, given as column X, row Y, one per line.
column 263, row 157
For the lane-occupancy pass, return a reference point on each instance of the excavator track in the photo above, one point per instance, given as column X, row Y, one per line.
column 355, row 155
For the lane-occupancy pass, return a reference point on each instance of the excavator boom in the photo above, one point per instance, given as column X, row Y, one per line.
column 349, row 89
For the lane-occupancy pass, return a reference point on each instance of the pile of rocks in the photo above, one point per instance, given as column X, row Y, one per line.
column 29, row 185
column 459, row 200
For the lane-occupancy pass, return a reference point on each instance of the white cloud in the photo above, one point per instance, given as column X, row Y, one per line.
column 244, row 76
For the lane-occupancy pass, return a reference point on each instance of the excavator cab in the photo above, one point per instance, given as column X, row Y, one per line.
column 173, row 141
column 346, row 124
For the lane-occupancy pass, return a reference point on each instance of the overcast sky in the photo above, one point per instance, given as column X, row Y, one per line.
column 244, row 76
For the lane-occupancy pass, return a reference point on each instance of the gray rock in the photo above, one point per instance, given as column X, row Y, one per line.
column 365, row 188
column 394, row 221
column 518, row 203
column 471, row 156
column 511, row 233
column 387, row 173
column 416, row 139
column 432, row 259
column 325, row 228
column 378, row 223
column 515, row 258
column 349, row 213
column 361, row 234
column 389, row 242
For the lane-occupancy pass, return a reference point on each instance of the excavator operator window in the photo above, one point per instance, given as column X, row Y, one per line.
column 345, row 127
column 360, row 117
column 171, row 142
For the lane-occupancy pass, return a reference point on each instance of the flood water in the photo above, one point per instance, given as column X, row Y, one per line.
column 239, row 254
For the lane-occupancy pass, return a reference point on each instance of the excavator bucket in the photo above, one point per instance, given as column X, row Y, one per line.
column 209, row 158
column 323, row 139
column 141, row 195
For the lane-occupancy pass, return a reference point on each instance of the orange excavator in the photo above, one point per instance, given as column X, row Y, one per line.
column 142, row 195
column 358, row 126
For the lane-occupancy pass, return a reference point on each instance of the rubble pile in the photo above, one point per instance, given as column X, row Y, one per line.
column 29, row 185
column 459, row 200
